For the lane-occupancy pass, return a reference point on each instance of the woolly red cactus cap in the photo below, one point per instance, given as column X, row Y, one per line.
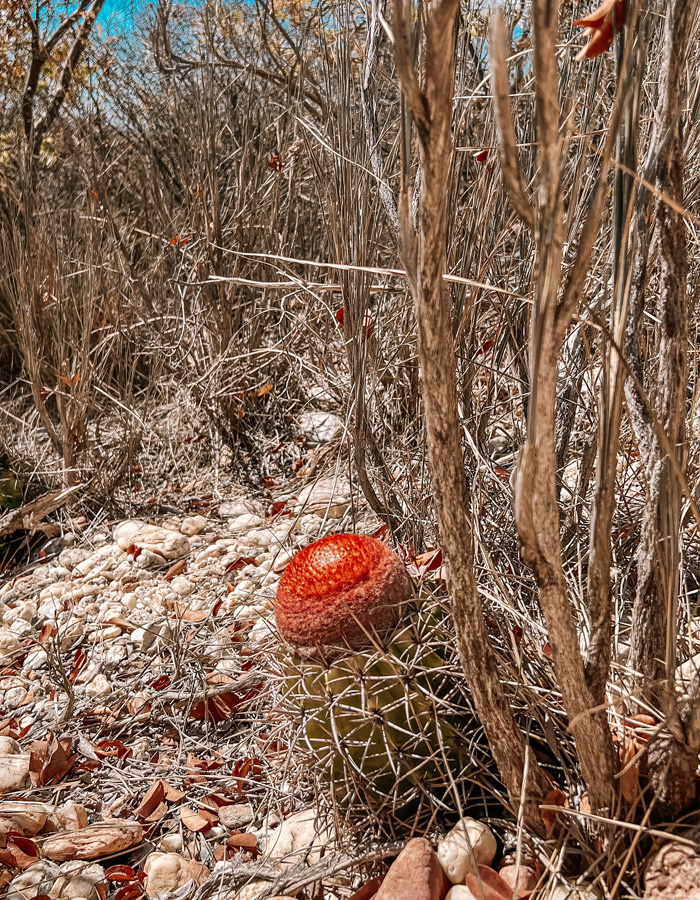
column 339, row 589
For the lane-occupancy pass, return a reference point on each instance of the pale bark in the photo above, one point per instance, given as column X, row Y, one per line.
column 534, row 481
column 673, row 754
column 424, row 258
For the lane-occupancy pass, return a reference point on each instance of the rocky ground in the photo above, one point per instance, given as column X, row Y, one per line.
column 144, row 748
column 138, row 706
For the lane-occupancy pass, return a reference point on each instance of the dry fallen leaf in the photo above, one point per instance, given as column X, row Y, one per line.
column 487, row 884
column 194, row 820
column 19, row 852
column 50, row 760
column 153, row 797
column 555, row 797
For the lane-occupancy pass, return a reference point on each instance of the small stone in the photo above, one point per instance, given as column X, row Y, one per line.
column 172, row 843
column 125, row 531
column 165, row 872
column 469, row 844
column 15, row 698
column 14, row 766
column 73, row 556
column 231, row 509
column 110, row 632
column 523, row 877
column 77, row 880
column 674, row 873
column 281, row 561
column 9, row 643
column 193, row 525
column 102, row 839
column 164, row 542
column 24, row 817
column 38, row 879
column 99, row 686
column 300, row 838
column 415, row 874
column 236, row 816
column 320, row 427
column 245, row 522
column 68, row 817
column 225, row 456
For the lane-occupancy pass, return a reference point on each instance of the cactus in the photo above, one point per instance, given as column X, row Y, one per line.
column 387, row 723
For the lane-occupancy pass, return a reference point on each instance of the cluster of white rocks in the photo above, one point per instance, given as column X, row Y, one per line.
column 119, row 591
column 123, row 596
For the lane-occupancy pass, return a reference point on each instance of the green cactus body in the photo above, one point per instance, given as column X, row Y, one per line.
column 386, row 723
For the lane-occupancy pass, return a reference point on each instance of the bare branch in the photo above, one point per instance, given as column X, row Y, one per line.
column 507, row 146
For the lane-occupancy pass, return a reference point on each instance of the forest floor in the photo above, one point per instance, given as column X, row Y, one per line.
column 138, row 695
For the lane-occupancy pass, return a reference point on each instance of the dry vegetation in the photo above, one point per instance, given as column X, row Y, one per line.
column 178, row 233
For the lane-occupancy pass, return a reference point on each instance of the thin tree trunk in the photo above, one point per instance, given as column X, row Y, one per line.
column 424, row 258
column 673, row 754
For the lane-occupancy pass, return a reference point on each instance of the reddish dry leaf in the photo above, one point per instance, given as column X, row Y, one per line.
column 195, row 765
column 240, row 563
column 194, row 820
column 629, row 780
column 47, row 632
column 153, row 797
column 198, row 870
column 105, row 749
column 120, row 873
column 430, row 560
column 367, row 891
column 19, row 852
column 242, row 841
column 10, row 727
column 549, row 817
column 79, row 661
column 161, row 682
column 50, row 760
column 218, row 708
column 547, row 649
column 176, row 569
column 488, row 884
column 158, row 813
column 172, row 795
column 190, row 615
column 129, row 892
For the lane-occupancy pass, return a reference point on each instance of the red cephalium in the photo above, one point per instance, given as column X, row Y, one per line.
column 338, row 589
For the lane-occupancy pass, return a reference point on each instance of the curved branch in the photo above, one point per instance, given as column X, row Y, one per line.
column 511, row 174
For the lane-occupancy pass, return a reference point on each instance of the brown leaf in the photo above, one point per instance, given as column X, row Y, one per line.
column 198, row 870
column 555, row 797
column 158, row 813
column 176, row 569
column 50, row 760
column 172, row 795
column 120, row 873
column 242, row 841
column 19, row 852
column 367, row 891
column 129, row 891
column 152, row 799
column 194, row 820
column 488, row 884
column 190, row 615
